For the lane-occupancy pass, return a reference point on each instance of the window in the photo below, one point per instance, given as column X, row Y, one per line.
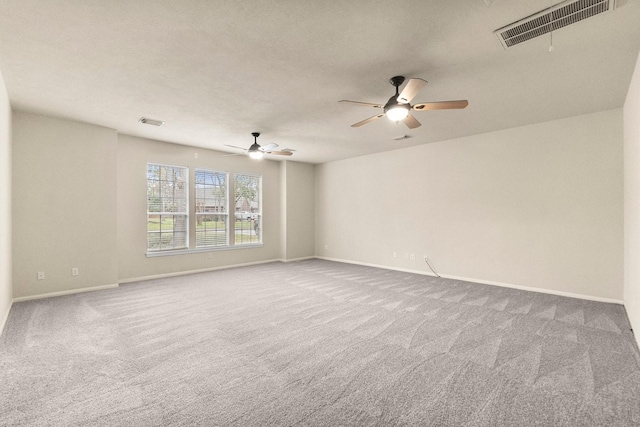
column 217, row 220
column 248, row 209
column 167, row 207
column 212, row 217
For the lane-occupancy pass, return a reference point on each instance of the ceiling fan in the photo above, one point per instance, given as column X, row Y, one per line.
column 257, row 152
column 398, row 106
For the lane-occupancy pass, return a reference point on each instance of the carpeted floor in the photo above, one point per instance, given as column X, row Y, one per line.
column 317, row 343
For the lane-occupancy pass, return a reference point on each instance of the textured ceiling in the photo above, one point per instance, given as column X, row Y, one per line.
column 216, row 71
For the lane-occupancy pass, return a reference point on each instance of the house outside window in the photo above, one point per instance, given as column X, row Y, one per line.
column 212, row 212
column 248, row 209
column 212, row 217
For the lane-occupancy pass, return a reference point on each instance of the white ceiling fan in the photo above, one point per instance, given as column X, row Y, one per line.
column 257, row 152
column 398, row 106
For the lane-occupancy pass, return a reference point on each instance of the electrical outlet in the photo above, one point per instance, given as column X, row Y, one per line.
column 326, row 247
column 412, row 257
column 395, row 254
column 40, row 275
column 75, row 271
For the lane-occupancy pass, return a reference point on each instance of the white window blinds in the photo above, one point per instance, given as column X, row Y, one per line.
column 212, row 216
column 167, row 207
column 248, row 209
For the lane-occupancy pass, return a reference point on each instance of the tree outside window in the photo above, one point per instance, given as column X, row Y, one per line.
column 167, row 207
column 211, row 208
column 248, row 209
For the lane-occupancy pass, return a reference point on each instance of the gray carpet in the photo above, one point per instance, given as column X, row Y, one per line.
column 317, row 343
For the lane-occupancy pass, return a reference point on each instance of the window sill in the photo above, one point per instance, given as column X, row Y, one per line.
column 200, row 250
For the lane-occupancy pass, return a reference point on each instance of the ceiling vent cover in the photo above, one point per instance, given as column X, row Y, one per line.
column 152, row 122
column 551, row 19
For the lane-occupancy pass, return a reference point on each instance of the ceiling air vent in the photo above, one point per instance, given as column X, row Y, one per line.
column 551, row 19
column 152, row 122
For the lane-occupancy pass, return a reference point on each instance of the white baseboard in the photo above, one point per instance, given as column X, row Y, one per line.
column 304, row 258
column 204, row 270
column 68, row 292
column 386, row 267
column 201, row 270
column 633, row 314
column 5, row 317
column 540, row 290
column 484, row 282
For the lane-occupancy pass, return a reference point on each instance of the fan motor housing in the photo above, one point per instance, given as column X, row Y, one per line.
column 393, row 103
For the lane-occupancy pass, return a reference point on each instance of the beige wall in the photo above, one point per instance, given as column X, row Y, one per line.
column 632, row 201
column 133, row 155
column 64, row 205
column 538, row 206
column 82, row 203
column 5, row 204
column 298, row 180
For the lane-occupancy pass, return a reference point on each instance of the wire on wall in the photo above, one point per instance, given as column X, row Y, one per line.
column 427, row 261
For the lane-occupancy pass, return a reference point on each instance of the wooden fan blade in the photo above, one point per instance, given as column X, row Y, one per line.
column 365, row 121
column 362, row 104
column 411, row 122
column 442, row 105
column 411, row 90
column 269, row 147
column 280, row 153
column 233, row 146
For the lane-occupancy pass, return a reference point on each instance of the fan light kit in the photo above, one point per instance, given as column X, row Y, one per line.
column 397, row 113
column 257, row 152
column 394, row 109
column 254, row 150
column 398, row 106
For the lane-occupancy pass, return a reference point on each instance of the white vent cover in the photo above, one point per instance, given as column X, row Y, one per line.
column 152, row 122
column 551, row 19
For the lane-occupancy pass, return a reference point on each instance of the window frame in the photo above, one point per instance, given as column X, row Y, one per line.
column 259, row 231
column 225, row 213
column 161, row 214
column 191, row 214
